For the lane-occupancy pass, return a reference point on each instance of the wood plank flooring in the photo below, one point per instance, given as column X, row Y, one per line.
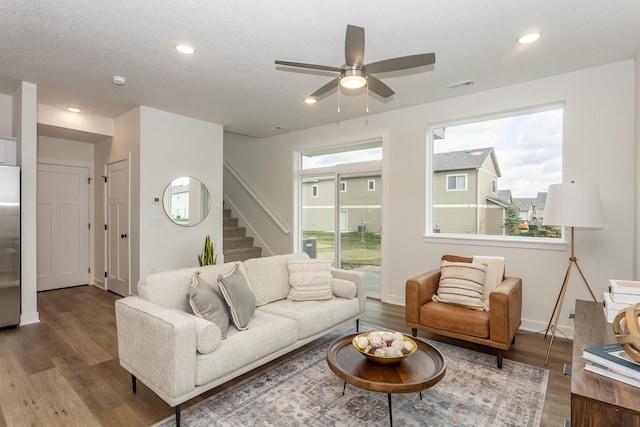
column 64, row 371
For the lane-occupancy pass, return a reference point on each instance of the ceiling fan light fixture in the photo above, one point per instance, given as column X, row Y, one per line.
column 74, row 109
column 353, row 79
column 310, row 100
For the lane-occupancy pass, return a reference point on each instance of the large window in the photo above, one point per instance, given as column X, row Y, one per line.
column 490, row 176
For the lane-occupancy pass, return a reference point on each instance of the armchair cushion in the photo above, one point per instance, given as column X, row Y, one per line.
column 461, row 284
column 494, row 274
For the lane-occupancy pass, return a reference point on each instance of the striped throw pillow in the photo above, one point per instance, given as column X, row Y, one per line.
column 461, row 283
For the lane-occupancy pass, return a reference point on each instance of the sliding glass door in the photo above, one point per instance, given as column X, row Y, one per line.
column 340, row 218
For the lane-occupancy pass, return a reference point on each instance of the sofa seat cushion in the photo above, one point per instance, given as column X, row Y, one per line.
column 266, row 334
column 269, row 277
column 455, row 318
column 314, row 316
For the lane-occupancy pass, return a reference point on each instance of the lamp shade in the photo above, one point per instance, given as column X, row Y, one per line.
column 575, row 205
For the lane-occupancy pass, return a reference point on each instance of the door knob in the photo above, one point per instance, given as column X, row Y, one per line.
column 123, row 236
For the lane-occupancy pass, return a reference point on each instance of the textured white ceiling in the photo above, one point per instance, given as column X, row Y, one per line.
column 71, row 48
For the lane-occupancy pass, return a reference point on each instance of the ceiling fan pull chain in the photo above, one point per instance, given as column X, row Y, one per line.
column 366, row 117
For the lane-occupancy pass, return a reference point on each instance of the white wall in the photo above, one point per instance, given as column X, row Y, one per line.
column 64, row 150
column 598, row 147
column 172, row 146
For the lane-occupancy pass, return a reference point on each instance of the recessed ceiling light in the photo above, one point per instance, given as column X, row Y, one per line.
column 74, row 109
column 119, row 80
column 529, row 38
column 310, row 100
column 185, row 48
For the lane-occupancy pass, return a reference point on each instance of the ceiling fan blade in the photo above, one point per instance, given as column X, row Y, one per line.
column 326, row 88
column 401, row 63
column 309, row 66
column 378, row 87
column 354, row 46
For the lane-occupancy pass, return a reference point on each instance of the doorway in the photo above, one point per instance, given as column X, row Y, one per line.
column 340, row 209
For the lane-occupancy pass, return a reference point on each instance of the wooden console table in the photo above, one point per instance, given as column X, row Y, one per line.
column 597, row 400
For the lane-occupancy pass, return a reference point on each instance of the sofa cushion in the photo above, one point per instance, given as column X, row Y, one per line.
column 344, row 288
column 239, row 297
column 206, row 303
column 269, row 277
column 168, row 288
column 310, row 280
column 461, row 283
column 449, row 317
column 209, row 336
column 266, row 334
column 313, row 317
column 493, row 277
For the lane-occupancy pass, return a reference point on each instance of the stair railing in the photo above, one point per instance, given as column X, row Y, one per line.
column 256, row 198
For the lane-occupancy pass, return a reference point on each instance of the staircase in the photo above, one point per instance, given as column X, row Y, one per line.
column 236, row 245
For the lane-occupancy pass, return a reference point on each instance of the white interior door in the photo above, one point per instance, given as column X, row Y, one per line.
column 63, row 226
column 118, row 228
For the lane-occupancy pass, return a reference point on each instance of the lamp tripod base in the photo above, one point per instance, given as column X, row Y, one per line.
column 558, row 307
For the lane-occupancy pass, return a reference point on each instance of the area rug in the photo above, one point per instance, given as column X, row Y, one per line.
column 301, row 390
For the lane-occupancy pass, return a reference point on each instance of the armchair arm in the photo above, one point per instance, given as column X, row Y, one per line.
column 418, row 291
column 158, row 346
column 357, row 278
column 505, row 310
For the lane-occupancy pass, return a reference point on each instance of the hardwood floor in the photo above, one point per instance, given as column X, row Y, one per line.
column 64, row 371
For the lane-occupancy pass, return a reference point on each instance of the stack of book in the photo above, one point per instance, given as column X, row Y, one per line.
column 622, row 294
column 611, row 361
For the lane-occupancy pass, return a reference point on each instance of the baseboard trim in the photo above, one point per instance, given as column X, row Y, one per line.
column 29, row 318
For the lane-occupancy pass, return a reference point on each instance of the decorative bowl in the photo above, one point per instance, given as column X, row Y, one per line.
column 407, row 342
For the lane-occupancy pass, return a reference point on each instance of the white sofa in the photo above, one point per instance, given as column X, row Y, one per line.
column 179, row 355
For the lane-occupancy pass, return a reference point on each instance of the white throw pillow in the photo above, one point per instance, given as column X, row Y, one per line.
column 310, row 280
column 461, row 283
column 493, row 277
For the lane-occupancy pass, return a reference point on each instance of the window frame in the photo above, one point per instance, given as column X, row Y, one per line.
column 457, row 175
column 431, row 236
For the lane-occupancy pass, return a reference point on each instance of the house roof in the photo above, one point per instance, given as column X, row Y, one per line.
column 71, row 49
column 465, row 159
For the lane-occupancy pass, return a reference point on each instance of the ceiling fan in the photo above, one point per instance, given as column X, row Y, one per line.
column 355, row 74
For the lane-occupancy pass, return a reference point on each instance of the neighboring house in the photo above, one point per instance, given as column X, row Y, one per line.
column 531, row 209
column 360, row 201
column 466, row 197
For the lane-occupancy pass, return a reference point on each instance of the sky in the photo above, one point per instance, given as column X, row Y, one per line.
column 528, row 148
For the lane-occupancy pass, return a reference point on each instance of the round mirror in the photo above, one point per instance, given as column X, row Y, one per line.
column 186, row 201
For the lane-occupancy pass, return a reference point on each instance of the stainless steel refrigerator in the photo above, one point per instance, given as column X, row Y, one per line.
column 9, row 246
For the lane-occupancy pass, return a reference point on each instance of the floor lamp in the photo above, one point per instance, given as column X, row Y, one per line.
column 576, row 206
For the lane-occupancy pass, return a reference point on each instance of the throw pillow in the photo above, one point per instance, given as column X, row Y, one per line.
column 239, row 297
column 206, row 303
column 310, row 280
column 344, row 288
column 461, row 283
column 494, row 275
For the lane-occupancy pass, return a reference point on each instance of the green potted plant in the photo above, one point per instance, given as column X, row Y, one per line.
column 208, row 255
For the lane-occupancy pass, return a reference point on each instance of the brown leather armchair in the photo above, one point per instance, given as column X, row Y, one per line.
column 495, row 328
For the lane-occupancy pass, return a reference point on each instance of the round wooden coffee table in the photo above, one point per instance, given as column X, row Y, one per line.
column 421, row 370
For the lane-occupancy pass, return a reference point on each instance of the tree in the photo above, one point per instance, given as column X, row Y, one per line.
column 511, row 221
